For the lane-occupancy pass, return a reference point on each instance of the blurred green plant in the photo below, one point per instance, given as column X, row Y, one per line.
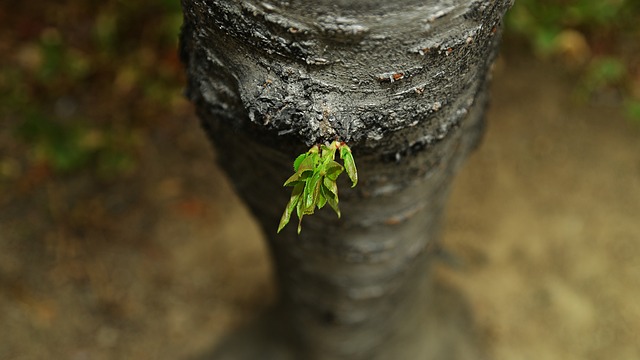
column 596, row 38
column 59, row 146
column 542, row 20
column 84, row 80
column 66, row 148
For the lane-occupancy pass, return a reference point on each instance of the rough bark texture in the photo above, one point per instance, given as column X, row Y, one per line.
column 404, row 83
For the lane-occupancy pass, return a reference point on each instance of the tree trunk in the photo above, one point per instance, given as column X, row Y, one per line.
column 404, row 84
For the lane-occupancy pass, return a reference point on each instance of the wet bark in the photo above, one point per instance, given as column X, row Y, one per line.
column 404, row 84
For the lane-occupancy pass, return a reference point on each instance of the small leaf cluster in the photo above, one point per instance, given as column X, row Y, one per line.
column 314, row 181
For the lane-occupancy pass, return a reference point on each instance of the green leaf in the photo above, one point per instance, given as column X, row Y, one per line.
column 300, row 214
column 308, row 163
column 311, row 192
column 305, row 169
column 291, row 205
column 331, row 200
column 299, row 160
column 334, row 169
column 331, row 187
column 299, row 177
column 293, row 180
column 349, row 164
column 322, row 199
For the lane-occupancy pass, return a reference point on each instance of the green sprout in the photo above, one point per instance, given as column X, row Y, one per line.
column 314, row 182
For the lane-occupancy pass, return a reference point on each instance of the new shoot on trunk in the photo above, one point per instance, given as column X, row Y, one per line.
column 314, row 181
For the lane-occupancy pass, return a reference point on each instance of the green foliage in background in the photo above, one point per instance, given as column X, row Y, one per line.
column 541, row 21
column 83, row 81
column 597, row 39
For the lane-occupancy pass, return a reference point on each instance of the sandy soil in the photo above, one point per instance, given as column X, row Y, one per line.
column 545, row 218
column 543, row 225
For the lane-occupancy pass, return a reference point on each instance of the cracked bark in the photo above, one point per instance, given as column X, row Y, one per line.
column 405, row 85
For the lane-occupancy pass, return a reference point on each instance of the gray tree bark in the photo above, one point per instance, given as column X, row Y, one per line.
column 404, row 83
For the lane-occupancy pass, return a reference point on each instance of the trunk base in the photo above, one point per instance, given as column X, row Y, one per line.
column 448, row 332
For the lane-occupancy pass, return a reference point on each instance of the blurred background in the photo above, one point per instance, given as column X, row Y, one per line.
column 121, row 239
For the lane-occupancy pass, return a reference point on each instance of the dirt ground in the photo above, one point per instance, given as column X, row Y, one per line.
column 543, row 222
column 545, row 218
